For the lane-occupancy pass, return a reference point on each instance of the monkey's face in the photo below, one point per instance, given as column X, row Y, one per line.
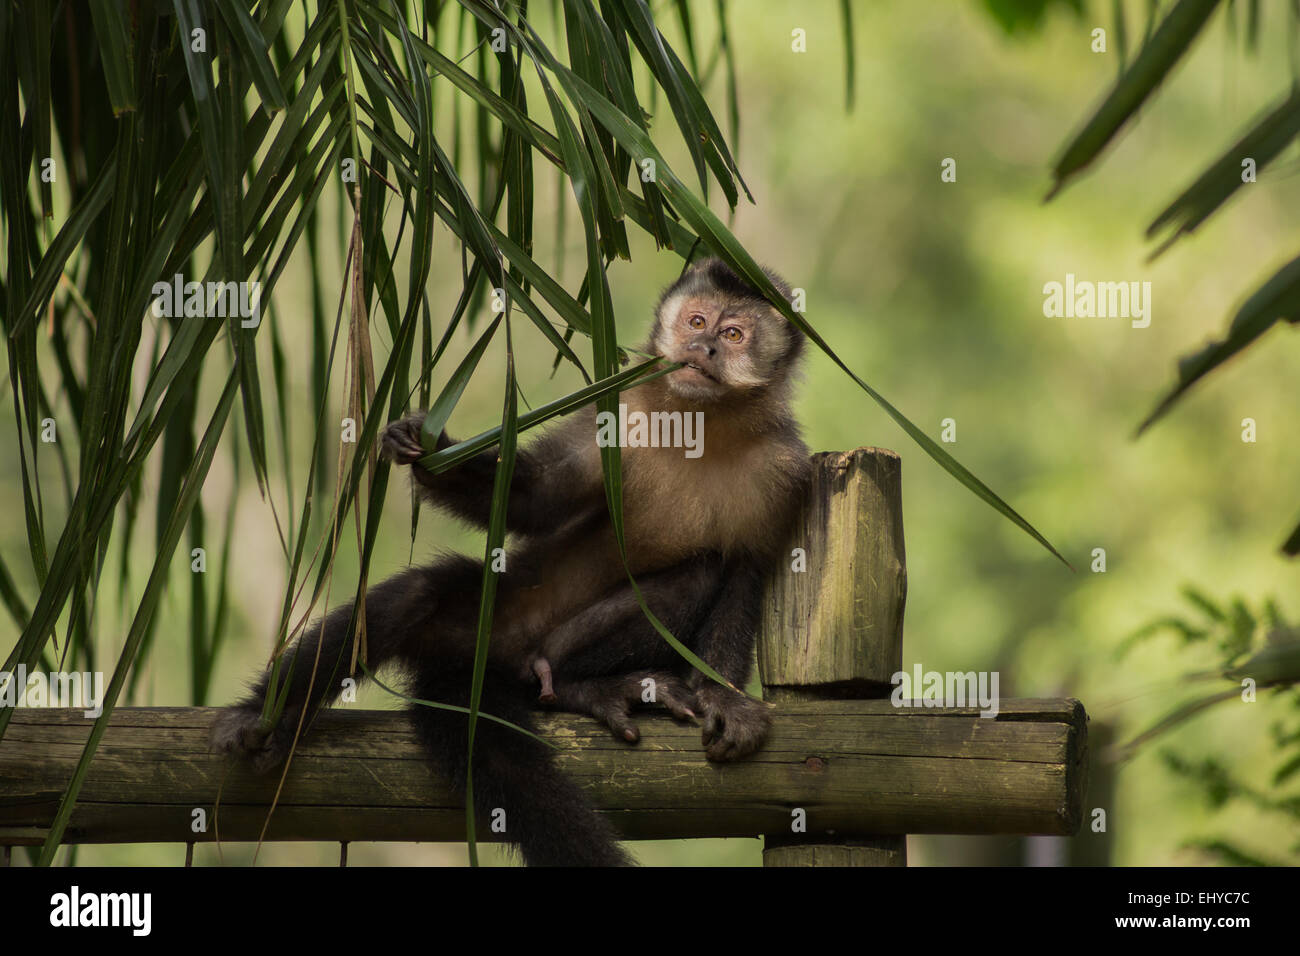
column 726, row 344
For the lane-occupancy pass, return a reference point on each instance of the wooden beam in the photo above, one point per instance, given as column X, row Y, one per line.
column 854, row 766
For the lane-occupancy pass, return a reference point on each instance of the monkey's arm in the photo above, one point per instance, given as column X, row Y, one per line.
column 548, row 486
column 734, row 725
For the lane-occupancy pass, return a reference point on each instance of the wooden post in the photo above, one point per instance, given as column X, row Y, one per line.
column 833, row 627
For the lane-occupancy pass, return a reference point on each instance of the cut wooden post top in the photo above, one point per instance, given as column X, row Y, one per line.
column 833, row 610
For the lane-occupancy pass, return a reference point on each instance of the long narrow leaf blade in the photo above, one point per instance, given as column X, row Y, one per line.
column 1276, row 299
column 1170, row 43
column 441, row 410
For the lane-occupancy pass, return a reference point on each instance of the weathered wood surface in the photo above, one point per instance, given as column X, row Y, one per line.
column 836, row 628
column 859, row 851
column 833, row 627
column 855, row 767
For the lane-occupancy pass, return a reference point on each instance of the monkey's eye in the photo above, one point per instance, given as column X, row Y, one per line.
column 732, row 334
column 695, row 320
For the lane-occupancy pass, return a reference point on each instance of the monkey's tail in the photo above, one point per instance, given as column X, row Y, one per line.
column 402, row 613
column 400, row 618
column 546, row 815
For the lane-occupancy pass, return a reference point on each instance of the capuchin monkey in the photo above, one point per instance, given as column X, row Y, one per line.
column 700, row 533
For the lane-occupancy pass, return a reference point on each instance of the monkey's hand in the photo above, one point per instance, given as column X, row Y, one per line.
column 238, row 731
column 400, row 442
column 611, row 699
column 734, row 725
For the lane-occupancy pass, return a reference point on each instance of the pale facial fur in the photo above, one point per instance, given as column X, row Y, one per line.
column 727, row 343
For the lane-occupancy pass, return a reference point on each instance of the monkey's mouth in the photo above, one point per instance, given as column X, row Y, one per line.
column 692, row 367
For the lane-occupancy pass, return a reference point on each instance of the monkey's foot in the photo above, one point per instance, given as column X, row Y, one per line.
column 238, row 731
column 542, row 668
column 611, row 699
column 734, row 725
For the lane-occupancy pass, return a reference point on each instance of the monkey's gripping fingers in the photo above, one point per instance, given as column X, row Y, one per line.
column 615, row 714
column 734, row 725
column 670, row 692
column 238, row 731
column 400, row 442
column 611, row 699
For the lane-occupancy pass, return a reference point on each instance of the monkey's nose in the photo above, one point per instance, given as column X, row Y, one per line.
column 702, row 345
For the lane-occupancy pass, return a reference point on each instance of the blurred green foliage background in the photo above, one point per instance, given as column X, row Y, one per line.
column 932, row 292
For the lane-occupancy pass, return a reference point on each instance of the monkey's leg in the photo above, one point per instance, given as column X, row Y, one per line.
column 545, row 814
column 418, row 612
column 734, row 725
column 615, row 660
column 615, row 629
column 611, row 699
column 720, row 628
